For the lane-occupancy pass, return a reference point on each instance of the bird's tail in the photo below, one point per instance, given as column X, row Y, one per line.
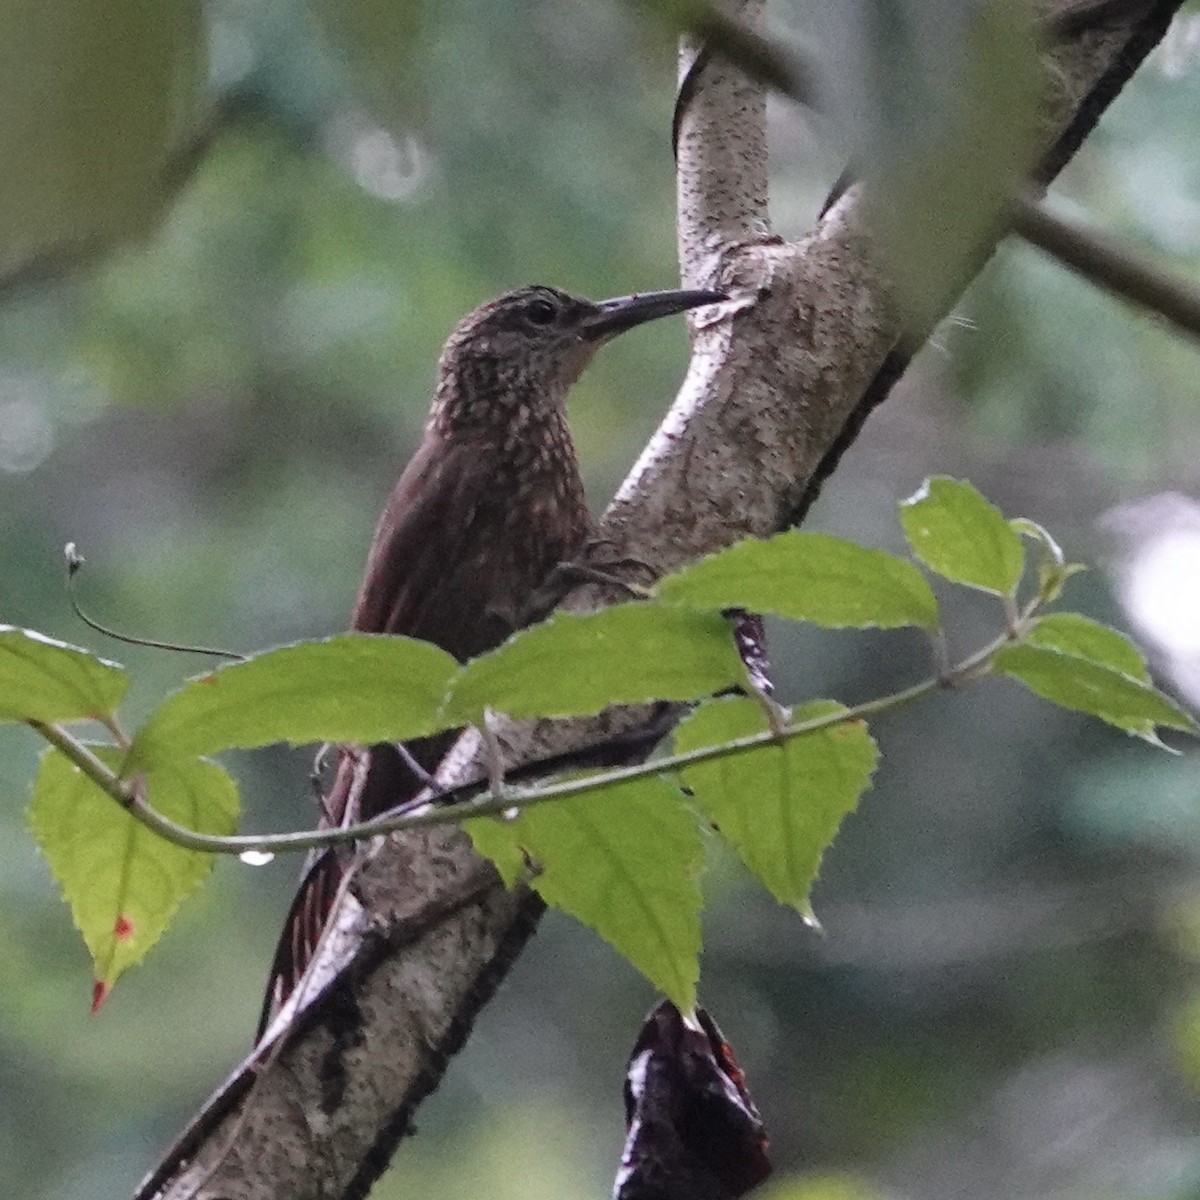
column 365, row 785
column 317, row 892
column 302, row 929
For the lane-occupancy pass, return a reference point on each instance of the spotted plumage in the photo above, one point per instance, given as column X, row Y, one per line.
column 491, row 502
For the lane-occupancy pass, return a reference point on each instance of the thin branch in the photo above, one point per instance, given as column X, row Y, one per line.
column 505, row 797
column 75, row 561
column 1108, row 264
column 756, row 56
column 273, row 1044
column 719, row 134
column 107, row 780
column 1100, row 260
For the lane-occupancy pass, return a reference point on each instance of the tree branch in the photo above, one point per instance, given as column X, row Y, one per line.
column 774, row 394
column 1101, row 260
column 721, row 157
column 1110, row 265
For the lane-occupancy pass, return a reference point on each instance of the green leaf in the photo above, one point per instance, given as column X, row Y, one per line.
column 497, row 838
column 954, row 531
column 122, row 882
column 808, row 577
column 576, row 663
column 355, row 687
column 1053, row 568
column 954, row 141
column 44, row 680
column 625, row 862
column 96, row 98
column 1092, row 687
column 1024, row 527
column 1075, row 634
column 780, row 805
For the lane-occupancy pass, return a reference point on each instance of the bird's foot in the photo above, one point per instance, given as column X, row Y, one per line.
column 589, row 572
column 603, row 554
column 602, row 563
column 316, row 773
column 568, row 575
column 427, row 782
column 316, row 778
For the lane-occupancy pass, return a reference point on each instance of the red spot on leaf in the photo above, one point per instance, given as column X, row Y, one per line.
column 209, row 678
column 99, row 995
column 123, row 929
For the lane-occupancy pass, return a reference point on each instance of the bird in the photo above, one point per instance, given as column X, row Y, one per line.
column 488, row 508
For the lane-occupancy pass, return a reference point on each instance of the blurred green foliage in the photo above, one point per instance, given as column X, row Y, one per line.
column 111, row 100
column 1003, row 1000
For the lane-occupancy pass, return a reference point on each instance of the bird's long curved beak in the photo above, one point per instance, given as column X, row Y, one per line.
column 624, row 312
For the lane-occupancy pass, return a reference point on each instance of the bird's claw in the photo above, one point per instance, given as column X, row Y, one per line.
column 423, row 777
column 611, row 562
column 316, row 773
column 587, row 572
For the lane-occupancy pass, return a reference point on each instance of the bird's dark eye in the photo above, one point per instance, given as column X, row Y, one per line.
column 540, row 312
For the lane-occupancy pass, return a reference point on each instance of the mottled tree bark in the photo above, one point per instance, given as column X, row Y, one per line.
column 773, row 395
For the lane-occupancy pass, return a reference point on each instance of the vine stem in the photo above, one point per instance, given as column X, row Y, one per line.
column 129, row 793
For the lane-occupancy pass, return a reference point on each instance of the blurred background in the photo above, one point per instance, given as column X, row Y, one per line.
column 1005, row 1000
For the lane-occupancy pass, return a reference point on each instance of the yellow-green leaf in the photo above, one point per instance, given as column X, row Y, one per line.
column 356, row 687
column 381, row 43
column 808, row 577
column 1092, row 687
column 96, row 97
column 45, row 680
column 940, row 186
column 954, row 531
column 575, row 663
column 1073, row 633
column 122, row 882
column 779, row 805
column 626, row 863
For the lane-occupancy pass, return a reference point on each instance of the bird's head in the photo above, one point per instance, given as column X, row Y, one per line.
column 535, row 342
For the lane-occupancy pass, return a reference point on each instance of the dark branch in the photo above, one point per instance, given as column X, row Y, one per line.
column 1108, row 264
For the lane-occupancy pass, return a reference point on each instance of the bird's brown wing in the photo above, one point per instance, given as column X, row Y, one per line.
column 418, row 581
column 414, row 584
